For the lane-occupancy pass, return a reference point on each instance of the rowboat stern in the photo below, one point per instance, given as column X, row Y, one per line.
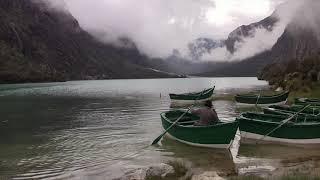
column 220, row 135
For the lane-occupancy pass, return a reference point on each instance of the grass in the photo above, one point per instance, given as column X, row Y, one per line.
column 285, row 177
column 313, row 93
column 299, row 177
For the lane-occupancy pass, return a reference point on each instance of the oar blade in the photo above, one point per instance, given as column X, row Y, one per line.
column 157, row 140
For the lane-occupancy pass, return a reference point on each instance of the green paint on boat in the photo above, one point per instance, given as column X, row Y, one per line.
column 314, row 110
column 309, row 112
column 253, row 99
column 219, row 135
column 299, row 129
column 286, row 112
column 305, row 101
column 205, row 94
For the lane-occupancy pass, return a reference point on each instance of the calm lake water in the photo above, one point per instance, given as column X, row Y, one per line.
column 100, row 129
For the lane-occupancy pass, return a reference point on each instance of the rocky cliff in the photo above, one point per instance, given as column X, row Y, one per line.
column 39, row 44
column 294, row 61
column 245, row 31
column 297, row 51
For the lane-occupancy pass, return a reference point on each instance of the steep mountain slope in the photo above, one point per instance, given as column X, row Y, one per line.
column 245, row 68
column 250, row 66
column 39, row 44
column 202, row 46
column 300, row 41
column 246, row 31
column 296, row 55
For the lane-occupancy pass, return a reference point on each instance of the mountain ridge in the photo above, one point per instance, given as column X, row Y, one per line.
column 40, row 44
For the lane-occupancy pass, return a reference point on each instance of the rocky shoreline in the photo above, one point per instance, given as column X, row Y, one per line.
column 293, row 75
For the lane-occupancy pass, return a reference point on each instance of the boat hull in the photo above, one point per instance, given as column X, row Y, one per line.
column 261, row 105
column 269, row 139
column 175, row 102
column 217, row 146
column 299, row 132
column 284, row 112
column 190, row 98
column 312, row 110
column 249, row 100
column 306, row 101
column 219, row 135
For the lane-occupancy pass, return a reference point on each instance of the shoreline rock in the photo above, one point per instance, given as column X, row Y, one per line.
column 158, row 170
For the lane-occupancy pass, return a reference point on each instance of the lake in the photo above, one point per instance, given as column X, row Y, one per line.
column 100, row 129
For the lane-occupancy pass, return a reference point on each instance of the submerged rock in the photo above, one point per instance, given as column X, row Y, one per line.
column 208, row 175
column 136, row 174
column 160, row 170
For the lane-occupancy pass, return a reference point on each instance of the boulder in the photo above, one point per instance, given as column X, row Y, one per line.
column 159, row 170
column 208, row 175
column 136, row 174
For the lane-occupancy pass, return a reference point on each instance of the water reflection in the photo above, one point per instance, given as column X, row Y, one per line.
column 99, row 128
column 207, row 159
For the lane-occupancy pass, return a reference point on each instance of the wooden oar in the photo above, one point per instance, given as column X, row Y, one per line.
column 283, row 122
column 161, row 135
column 257, row 101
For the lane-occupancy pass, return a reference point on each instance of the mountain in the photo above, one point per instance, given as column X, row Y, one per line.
column 245, row 68
column 250, row 66
column 38, row 43
column 296, row 50
column 246, row 31
column 296, row 55
column 202, row 46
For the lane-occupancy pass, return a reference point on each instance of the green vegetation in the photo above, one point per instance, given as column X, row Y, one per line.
column 286, row 177
column 314, row 92
column 39, row 44
column 294, row 75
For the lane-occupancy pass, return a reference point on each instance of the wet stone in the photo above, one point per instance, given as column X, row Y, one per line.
column 160, row 170
column 208, row 175
column 136, row 174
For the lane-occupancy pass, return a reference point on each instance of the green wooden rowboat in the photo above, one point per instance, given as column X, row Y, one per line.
column 304, row 101
column 190, row 98
column 219, row 135
column 288, row 112
column 312, row 110
column 251, row 99
column 298, row 131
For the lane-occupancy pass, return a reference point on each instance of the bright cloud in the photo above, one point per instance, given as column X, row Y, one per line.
column 159, row 26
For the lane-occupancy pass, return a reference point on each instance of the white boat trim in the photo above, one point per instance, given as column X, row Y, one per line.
column 261, row 105
column 248, row 135
column 218, row 146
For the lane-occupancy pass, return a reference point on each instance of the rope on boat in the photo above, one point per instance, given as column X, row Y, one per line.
column 258, row 100
column 283, row 122
column 174, row 123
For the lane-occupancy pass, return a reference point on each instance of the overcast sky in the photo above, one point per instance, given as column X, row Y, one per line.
column 158, row 26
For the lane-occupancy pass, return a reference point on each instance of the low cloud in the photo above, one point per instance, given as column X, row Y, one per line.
column 298, row 14
column 159, row 26
column 260, row 41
